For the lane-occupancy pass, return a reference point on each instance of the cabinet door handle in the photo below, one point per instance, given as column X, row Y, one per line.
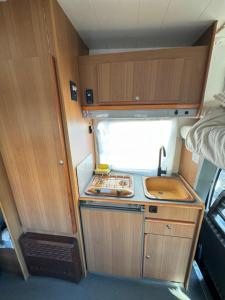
column 61, row 162
column 137, row 98
column 147, row 256
column 168, row 226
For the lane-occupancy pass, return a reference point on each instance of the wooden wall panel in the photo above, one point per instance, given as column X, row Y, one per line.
column 188, row 168
column 207, row 38
column 22, row 29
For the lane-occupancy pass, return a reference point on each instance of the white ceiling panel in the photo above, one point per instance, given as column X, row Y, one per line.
column 152, row 12
column 184, row 11
column 116, row 14
column 111, row 24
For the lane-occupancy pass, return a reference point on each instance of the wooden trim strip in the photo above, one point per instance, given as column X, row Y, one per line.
column 142, row 107
column 143, row 202
column 172, row 235
column 222, row 27
column 143, row 55
column 210, row 49
column 62, row 133
column 194, row 246
column 166, row 221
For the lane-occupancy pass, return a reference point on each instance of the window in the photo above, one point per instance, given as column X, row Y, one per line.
column 217, row 212
column 133, row 145
column 217, row 187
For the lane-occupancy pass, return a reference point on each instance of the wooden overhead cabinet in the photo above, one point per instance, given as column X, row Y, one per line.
column 174, row 76
column 149, row 77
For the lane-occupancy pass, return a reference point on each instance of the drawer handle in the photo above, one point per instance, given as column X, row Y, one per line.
column 168, row 226
column 147, row 256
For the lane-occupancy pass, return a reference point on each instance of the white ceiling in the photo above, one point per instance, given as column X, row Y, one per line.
column 111, row 24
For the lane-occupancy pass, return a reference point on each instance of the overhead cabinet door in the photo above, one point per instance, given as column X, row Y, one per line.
column 32, row 146
column 156, row 81
column 149, row 81
column 115, row 82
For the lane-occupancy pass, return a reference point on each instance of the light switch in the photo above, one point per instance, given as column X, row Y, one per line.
column 73, row 90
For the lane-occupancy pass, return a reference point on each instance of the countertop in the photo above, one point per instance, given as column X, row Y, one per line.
column 139, row 195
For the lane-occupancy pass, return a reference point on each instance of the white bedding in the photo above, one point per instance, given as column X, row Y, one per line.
column 207, row 137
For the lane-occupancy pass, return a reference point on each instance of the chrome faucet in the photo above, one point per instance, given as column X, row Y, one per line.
column 160, row 171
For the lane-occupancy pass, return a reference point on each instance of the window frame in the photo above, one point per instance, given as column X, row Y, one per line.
column 215, row 210
column 212, row 189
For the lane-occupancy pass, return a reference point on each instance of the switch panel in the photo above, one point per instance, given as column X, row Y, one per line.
column 89, row 96
column 73, row 90
column 153, row 209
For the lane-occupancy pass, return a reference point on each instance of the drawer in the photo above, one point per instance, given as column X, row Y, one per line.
column 168, row 227
column 173, row 213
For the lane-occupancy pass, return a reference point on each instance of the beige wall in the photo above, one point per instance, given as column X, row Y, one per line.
column 215, row 82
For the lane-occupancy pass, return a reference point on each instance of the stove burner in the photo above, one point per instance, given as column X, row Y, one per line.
column 123, row 183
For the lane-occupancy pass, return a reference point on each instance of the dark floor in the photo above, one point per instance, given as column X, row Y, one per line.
column 94, row 287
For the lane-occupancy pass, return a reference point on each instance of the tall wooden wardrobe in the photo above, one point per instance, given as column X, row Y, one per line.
column 42, row 134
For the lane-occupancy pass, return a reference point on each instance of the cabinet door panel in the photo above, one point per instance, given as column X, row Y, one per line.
column 150, row 81
column 168, row 80
column 166, row 257
column 115, row 82
column 192, row 80
column 31, row 143
column 144, row 81
column 113, row 241
column 158, row 81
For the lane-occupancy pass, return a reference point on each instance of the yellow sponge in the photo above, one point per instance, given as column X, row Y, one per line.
column 102, row 169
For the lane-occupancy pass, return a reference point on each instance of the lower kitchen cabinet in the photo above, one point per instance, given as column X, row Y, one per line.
column 113, row 241
column 166, row 257
column 140, row 243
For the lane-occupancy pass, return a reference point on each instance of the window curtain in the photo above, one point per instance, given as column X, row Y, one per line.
column 133, row 145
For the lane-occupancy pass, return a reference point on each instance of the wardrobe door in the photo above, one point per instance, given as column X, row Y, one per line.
column 32, row 144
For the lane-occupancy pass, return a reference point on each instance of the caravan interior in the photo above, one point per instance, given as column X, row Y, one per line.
column 112, row 149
